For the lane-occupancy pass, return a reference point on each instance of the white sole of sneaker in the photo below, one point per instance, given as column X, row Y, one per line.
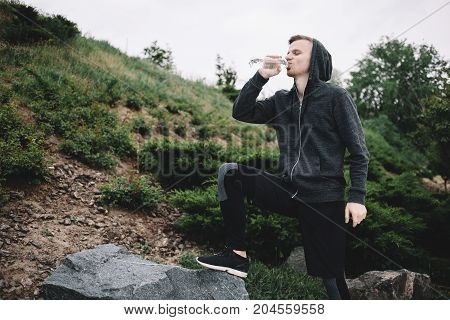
column 228, row 270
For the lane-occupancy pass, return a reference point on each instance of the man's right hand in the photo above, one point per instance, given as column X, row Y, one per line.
column 270, row 67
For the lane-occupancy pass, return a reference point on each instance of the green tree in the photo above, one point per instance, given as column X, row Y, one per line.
column 394, row 77
column 433, row 133
column 227, row 77
column 159, row 56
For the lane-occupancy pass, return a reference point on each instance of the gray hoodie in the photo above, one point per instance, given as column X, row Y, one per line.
column 312, row 159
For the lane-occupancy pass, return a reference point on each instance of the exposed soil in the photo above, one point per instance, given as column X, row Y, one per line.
column 42, row 224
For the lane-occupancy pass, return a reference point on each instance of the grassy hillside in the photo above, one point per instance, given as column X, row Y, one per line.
column 89, row 86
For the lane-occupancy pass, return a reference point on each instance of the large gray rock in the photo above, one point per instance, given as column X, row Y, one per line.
column 110, row 272
column 389, row 285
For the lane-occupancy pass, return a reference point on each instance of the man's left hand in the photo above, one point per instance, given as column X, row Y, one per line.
column 358, row 212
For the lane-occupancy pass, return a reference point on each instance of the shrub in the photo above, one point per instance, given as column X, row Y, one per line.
column 391, row 231
column 188, row 164
column 97, row 146
column 376, row 171
column 270, row 236
column 202, row 213
column 180, row 127
column 140, row 126
column 389, row 146
column 139, row 193
column 404, row 190
column 159, row 56
column 22, row 154
column 22, row 24
column 134, row 102
column 113, row 92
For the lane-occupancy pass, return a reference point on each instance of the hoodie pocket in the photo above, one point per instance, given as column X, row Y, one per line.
column 308, row 166
column 333, row 182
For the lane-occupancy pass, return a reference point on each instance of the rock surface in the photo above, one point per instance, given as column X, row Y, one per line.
column 297, row 260
column 390, row 285
column 110, row 272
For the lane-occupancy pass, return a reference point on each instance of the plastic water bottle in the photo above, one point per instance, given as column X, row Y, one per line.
column 268, row 65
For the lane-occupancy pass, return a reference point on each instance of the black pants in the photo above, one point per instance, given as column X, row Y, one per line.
column 322, row 224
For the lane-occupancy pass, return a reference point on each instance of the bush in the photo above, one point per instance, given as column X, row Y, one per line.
column 188, row 164
column 159, row 56
column 140, row 126
column 270, row 236
column 82, row 147
column 139, row 193
column 180, row 127
column 390, row 147
column 97, row 146
column 112, row 92
column 134, row 102
column 22, row 154
column 404, row 190
column 376, row 171
column 22, row 24
column 436, row 236
column 202, row 212
column 389, row 230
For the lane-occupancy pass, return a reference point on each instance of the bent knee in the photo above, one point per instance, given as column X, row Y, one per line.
column 224, row 171
column 225, row 168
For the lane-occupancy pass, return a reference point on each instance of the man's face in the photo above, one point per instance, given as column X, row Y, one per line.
column 298, row 57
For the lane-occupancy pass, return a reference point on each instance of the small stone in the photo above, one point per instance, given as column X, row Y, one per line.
column 67, row 221
column 36, row 244
column 76, row 195
column 26, row 282
column 16, row 195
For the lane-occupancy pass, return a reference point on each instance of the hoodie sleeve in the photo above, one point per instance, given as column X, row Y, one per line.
column 352, row 134
column 247, row 109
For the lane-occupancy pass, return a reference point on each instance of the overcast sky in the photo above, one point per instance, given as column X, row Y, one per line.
column 238, row 30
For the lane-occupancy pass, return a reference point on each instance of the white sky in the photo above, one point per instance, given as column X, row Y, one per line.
column 197, row 30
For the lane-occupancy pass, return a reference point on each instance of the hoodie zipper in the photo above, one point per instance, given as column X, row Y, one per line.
column 300, row 136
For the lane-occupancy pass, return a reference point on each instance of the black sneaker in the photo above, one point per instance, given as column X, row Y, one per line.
column 228, row 261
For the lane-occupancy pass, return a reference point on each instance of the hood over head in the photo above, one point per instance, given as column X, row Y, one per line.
column 320, row 66
column 320, row 69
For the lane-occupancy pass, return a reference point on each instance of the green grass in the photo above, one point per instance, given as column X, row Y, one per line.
column 22, row 152
column 139, row 193
column 272, row 283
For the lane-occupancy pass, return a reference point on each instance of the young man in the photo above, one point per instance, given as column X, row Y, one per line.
column 315, row 123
